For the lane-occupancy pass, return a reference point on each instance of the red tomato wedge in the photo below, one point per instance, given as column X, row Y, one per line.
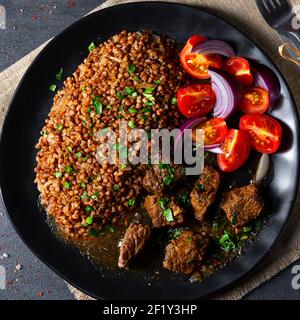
column 255, row 100
column 196, row 100
column 264, row 131
column 215, row 130
column 236, row 149
column 197, row 64
column 193, row 40
column 240, row 68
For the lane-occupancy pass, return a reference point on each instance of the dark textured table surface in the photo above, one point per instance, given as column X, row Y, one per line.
column 29, row 24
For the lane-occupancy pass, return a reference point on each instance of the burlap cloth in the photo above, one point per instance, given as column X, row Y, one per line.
column 245, row 15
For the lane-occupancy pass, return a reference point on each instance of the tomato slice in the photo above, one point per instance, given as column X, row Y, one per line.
column 197, row 64
column 236, row 149
column 195, row 39
column 196, row 100
column 189, row 45
column 240, row 68
column 255, row 100
column 215, row 130
column 264, row 131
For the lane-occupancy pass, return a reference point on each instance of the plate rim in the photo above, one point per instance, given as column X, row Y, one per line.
column 216, row 15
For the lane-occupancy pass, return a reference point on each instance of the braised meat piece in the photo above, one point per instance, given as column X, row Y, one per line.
column 204, row 192
column 133, row 243
column 242, row 205
column 184, row 254
column 163, row 211
column 160, row 177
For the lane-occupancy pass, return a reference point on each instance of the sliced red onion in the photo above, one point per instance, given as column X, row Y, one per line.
column 265, row 78
column 228, row 93
column 189, row 124
column 212, row 146
column 214, row 47
column 215, row 149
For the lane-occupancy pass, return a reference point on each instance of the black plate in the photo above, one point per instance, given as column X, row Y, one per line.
column 32, row 102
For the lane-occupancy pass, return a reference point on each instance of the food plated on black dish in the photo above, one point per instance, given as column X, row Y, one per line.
column 152, row 228
column 198, row 223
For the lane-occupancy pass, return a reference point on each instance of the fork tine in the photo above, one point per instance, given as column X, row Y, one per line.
column 284, row 3
column 274, row 5
column 266, row 6
column 275, row 12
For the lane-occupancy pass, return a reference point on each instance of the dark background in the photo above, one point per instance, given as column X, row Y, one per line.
column 29, row 24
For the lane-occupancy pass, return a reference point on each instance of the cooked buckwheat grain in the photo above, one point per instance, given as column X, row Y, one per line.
column 75, row 189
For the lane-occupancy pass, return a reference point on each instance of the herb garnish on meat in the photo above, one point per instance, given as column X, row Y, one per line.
column 226, row 242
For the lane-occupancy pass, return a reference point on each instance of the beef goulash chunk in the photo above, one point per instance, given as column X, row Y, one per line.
column 242, row 205
column 184, row 254
column 133, row 243
column 204, row 191
column 160, row 177
column 164, row 211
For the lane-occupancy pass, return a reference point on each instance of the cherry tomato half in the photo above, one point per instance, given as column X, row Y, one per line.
column 236, row 149
column 195, row 39
column 197, row 64
column 240, row 68
column 196, row 100
column 255, row 100
column 264, row 132
column 215, row 130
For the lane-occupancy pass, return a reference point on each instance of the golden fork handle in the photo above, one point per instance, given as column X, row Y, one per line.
column 285, row 51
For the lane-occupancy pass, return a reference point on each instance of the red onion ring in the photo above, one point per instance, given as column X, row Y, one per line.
column 214, row 148
column 265, row 78
column 189, row 124
column 228, row 93
column 214, row 47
